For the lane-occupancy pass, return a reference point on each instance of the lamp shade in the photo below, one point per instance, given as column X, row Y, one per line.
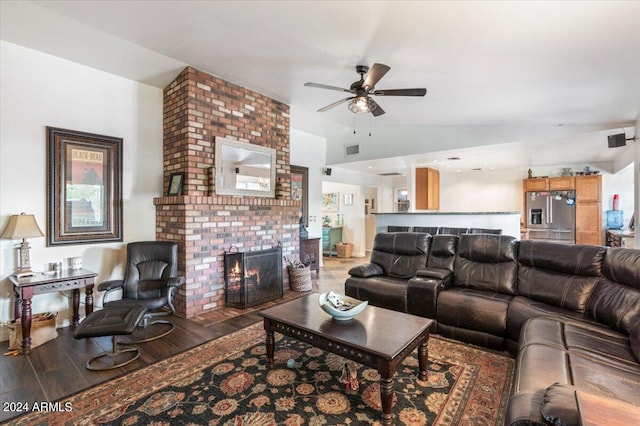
column 22, row 226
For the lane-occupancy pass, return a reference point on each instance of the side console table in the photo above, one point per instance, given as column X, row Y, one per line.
column 25, row 288
column 310, row 253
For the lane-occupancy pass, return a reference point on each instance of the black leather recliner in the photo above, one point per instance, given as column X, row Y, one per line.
column 395, row 258
column 150, row 280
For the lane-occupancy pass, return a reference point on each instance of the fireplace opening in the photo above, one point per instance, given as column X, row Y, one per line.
column 252, row 278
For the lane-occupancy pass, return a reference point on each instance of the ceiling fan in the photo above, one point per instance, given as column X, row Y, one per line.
column 361, row 102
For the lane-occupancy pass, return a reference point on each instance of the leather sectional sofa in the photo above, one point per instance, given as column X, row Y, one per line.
column 569, row 313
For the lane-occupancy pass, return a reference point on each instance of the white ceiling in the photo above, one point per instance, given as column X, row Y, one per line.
column 525, row 77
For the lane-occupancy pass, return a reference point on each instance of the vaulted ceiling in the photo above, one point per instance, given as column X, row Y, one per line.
column 523, row 78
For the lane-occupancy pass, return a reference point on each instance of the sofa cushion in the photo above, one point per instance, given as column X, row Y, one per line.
column 386, row 292
column 400, row 254
column 522, row 309
column 587, row 339
column 568, row 259
column 615, row 305
column 473, row 310
column 559, row 274
column 486, row 262
column 622, row 265
column 442, row 253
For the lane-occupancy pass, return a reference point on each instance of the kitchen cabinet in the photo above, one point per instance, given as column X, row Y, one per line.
column 330, row 236
column 589, row 210
column 563, row 183
column 427, row 189
column 535, row 185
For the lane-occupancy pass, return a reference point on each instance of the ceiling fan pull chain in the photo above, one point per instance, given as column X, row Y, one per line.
column 369, row 125
column 354, row 124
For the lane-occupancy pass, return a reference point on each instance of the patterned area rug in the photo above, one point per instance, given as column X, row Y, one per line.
column 227, row 382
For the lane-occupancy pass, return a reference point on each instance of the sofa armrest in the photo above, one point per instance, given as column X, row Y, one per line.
column 435, row 273
column 560, row 406
column 366, row 270
column 422, row 295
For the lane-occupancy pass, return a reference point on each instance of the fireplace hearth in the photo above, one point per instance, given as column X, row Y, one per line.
column 252, row 278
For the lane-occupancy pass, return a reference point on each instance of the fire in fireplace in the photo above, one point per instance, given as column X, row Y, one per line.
column 253, row 277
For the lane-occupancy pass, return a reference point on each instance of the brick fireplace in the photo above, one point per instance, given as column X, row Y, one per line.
column 199, row 107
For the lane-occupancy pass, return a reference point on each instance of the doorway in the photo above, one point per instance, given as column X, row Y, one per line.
column 371, row 206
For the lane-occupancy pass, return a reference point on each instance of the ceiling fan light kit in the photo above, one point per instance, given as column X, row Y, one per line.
column 361, row 103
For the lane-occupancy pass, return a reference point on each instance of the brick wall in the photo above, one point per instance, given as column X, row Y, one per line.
column 198, row 108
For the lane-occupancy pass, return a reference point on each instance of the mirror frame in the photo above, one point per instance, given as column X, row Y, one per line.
column 303, row 172
column 224, row 142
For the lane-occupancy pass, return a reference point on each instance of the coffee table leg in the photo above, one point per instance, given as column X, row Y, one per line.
column 386, row 398
column 270, row 343
column 423, row 356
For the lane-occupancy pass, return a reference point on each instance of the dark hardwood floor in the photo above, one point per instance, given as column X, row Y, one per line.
column 57, row 368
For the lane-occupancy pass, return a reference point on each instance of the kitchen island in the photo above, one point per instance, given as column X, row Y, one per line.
column 509, row 222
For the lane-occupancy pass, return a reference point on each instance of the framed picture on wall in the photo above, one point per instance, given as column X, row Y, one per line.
column 176, row 180
column 300, row 190
column 84, row 187
column 330, row 202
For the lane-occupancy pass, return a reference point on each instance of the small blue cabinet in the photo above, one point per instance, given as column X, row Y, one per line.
column 330, row 236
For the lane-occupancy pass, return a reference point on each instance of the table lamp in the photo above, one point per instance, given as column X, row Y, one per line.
column 22, row 226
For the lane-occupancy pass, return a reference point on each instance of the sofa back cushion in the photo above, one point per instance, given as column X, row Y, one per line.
column 559, row 274
column 442, row 253
column 634, row 341
column 486, row 262
column 616, row 299
column 400, row 254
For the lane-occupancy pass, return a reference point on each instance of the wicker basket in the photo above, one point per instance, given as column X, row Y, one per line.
column 299, row 278
column 344, row 249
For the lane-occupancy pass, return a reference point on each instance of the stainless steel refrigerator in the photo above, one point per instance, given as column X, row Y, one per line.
column 551, row 216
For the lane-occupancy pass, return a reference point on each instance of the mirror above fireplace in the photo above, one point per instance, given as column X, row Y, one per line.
column 245, row 169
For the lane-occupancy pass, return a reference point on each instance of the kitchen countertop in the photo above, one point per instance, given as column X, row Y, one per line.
column 443, row 213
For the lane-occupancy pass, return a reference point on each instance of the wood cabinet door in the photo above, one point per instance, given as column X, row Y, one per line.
column 591, row 238
column 427, row 189
column 535, row 185
column 589, row 223
column 589, row 188
column 563, row 183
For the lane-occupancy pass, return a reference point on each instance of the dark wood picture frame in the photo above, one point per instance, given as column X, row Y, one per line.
column 176, row 182
column 84, row 187
column 300, row 189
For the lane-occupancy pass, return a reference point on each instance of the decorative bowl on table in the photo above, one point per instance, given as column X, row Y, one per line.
column 341, row 307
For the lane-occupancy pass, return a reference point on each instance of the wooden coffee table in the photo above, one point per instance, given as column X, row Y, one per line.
column 378, row 338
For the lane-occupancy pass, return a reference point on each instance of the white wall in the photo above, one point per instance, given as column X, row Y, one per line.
column 481, row 191
column 40, row 90
column 308, row 150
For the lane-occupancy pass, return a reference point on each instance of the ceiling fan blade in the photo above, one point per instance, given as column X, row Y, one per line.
column 376, row 72
column 400, row 92
column 377, row 110
column 335, row 104
column 325, row 86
